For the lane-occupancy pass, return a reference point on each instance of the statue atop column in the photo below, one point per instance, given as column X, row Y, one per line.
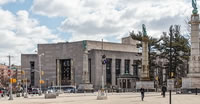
column 194, row 5
column 145, row 81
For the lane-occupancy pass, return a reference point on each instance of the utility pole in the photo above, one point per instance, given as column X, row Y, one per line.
column 170, row 62
column 102, row 69
column 40, row 72
column 11, row 96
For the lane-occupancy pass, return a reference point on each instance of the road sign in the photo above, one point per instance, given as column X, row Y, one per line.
column 170, row 84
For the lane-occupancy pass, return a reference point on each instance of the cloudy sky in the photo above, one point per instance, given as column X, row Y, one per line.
column 25, row 23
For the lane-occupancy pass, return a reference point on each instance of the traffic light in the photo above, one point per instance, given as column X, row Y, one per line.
column 104, row 61
column 41, row 81
column 13, row 80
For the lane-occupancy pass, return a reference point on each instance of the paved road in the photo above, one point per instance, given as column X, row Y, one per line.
column 123, row 98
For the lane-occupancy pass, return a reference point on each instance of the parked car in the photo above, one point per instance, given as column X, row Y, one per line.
column 69, row 90
column 33, row 91
column 1, row 91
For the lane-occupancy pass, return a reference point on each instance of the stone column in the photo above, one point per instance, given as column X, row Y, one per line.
column 72, row 72
column 122, row 67
column 113, row 72
column 85, row 75
column 58, row 73
column 194, row 67
column 131, row 67
column 145, row 61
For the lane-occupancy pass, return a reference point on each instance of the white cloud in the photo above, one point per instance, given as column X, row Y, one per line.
column 2, row 2
column 103, row 18
column 6, row 1
column 19, row 34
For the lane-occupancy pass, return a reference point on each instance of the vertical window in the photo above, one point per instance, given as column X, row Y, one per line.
column 117, row 68
column 65, row 71
column 108, row 71
column 127, row 66
column 32, row 67
column 90, row 69
column 135, row 68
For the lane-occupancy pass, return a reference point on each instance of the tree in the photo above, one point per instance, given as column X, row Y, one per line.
column 159, row 49
column 180, row 51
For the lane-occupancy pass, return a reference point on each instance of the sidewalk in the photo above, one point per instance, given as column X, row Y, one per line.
column 115, row 98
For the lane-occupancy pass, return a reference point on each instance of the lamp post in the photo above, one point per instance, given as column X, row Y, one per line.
column 170, row 69
column 101, row 94
column 40, row 70
column 26, row 81
column 11, row 80
column 26, row 95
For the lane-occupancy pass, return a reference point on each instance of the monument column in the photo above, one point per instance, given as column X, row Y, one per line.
column 145, row 60
column 85, row 85
column 192, row 81
column 144, row 72
column 194, row 68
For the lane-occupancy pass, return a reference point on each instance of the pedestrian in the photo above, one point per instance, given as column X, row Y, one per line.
column 142, row 93
column 164, row 89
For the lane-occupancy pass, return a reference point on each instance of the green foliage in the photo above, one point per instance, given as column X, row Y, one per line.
column 160, row 49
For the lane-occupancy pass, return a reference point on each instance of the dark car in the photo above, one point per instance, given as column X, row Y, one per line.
column 2, row 92
column 33, row 91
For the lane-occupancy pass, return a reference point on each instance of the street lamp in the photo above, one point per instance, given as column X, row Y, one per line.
column 170, row 69
column 26, row 80
column 40, row 68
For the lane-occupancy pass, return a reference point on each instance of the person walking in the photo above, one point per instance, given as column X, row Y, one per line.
column 164, row 89
column 142, row 93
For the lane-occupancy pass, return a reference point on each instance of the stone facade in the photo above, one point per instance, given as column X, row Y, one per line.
column 85, row 58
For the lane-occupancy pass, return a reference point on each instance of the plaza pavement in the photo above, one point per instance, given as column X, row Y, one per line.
column 113, row 98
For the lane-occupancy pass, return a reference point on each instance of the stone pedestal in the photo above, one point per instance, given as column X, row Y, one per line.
column 192, row 81
column 145, row 84
column 102, row 95
column 85, row 87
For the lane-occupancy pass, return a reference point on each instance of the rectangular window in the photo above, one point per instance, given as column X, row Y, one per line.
column 108, row 72
column 32, row 67
column 127, row 66
column 32, row 78
column 135, row 68
column 90, row 69
column 117, row 68
column 65, row 71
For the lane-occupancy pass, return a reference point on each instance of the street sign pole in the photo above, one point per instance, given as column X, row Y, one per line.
column 11, row 96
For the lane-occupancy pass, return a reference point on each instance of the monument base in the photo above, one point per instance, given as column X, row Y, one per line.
column 102, row 95
column 190, row 83
column 145, row 84
column 85, row 87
